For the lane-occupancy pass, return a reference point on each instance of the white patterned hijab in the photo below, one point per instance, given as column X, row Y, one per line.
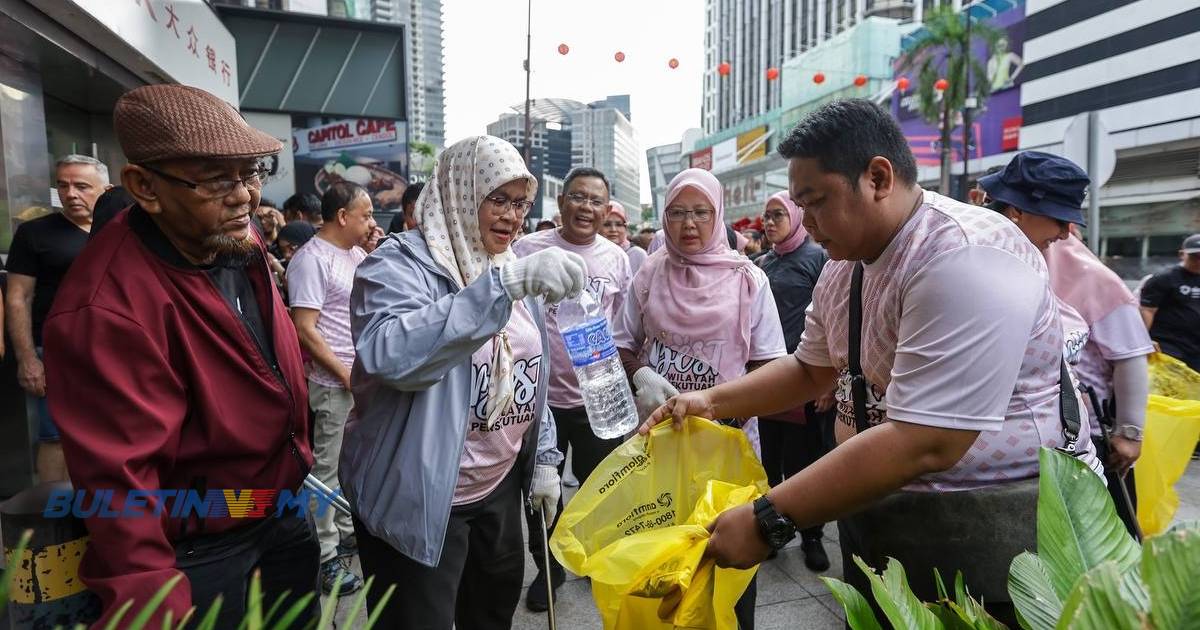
column 448, row 217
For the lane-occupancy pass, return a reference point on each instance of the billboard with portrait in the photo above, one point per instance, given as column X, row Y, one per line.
column 996, row 124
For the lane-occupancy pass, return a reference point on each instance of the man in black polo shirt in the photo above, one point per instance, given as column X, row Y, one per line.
column 1171, row 306
column 41, row 253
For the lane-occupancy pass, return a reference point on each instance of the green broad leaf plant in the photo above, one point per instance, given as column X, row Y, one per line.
column 274, row 618
column 1088, row 573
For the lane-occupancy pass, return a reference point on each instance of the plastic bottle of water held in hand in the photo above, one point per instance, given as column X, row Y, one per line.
column 606, row 394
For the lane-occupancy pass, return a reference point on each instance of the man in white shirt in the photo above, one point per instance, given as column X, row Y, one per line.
column 961, row 351
column 584, row 204
column 320, row 277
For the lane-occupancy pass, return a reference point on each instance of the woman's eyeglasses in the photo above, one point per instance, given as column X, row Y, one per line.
column 215, row 188
column 777, row 216
column 613, row 224
column 677, row 215
column 504, row 203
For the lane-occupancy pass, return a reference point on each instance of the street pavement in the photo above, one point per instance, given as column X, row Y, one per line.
column 789, row 595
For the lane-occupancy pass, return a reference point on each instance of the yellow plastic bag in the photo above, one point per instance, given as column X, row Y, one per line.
column 637, row 527
column 1172, row 378
column 1172, row 429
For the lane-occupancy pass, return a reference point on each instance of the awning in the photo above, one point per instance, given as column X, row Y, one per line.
column 317, row 65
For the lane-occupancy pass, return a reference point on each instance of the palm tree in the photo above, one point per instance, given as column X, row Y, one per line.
column 942, row 53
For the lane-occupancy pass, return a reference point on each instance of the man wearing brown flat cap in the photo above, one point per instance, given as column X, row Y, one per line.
column 181, row 370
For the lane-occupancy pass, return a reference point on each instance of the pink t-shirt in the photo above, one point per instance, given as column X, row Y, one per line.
column 960, row 330
column 689, row 363
column 608, row 281
column 489, row 454
column 320, row 277
column 1117, row 336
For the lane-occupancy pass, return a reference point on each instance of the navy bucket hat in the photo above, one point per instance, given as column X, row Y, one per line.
column 1040, row 183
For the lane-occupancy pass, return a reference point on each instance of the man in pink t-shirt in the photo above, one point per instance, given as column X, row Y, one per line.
column 961, row 350
column 584, row 203
column 319, row 279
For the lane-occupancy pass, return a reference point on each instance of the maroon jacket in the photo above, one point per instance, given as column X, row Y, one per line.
column 155, row 382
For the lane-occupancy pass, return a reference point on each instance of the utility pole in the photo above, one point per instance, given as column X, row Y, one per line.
column 528, row 148
column 968, row 102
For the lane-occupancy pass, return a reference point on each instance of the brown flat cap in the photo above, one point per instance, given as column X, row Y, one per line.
column 168, row 121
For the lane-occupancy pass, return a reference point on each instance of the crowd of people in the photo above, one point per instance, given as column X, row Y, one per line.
column 206, row 339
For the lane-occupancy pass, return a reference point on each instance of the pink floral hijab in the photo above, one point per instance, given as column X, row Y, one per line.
column 702, row 296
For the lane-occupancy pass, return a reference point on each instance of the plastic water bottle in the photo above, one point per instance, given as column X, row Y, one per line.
column 606, row 395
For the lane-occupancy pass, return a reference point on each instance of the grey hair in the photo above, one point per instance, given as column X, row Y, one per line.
column 75, row 158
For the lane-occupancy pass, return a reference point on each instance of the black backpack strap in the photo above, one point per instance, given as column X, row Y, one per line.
column 858, row 382
column 1068, row 411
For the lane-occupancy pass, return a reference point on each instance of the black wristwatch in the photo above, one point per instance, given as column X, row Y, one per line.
column 777, row 529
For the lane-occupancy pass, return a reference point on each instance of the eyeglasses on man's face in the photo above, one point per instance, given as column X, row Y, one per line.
column 502, row 203
column 700, row 215
column 217, row 187
column 581, row 199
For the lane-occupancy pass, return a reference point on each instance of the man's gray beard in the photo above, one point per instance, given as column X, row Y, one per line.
column 230, row 252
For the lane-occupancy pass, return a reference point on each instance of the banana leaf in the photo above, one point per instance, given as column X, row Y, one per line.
column 896, row 599
column 1171, row 570
column 1096, row 603
column 1078, row 528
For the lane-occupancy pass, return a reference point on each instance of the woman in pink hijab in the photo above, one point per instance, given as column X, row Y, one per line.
column 616, row 229
column 793, row 440
column 699, row 313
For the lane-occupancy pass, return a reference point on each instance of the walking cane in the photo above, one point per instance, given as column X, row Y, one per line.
column 546, row 569
column 1106, row 420
column 338, row 501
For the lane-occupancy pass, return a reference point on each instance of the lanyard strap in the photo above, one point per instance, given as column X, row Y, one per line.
column 858, row 382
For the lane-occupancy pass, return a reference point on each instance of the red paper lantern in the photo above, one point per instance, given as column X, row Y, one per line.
column 724, row 68
column 620, row 56
column 563, row 49
column 674, row 63
column 819, row 78
column 772, row 74
column 902, row 84
column 860, row 80
column 941, row 85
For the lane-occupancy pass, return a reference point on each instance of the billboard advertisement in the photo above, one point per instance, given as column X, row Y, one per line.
column 370, row 152
column 996, row 125
column 746, row 147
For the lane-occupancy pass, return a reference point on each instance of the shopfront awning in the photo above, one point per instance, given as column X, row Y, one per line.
column 316, row 65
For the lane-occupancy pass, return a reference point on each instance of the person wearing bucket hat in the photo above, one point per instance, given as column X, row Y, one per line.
column 1042, row 193
column 185, row 370
column 1105, row 343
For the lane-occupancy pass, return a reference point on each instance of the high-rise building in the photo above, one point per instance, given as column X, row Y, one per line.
column 665, row 162
column 427, row 112
column 754, row 35
column 604, row 140
column 566, row 134
column 1134, row 64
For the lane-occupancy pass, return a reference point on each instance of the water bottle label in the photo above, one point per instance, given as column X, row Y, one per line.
column 589, row 343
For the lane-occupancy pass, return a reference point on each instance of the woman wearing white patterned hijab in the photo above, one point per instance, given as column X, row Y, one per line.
column 449, row 384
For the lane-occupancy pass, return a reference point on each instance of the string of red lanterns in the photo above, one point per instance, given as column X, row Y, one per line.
column 773, row 73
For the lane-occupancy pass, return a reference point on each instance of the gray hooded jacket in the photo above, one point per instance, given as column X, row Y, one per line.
column 414, row 335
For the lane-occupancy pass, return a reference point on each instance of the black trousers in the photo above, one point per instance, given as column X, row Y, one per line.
column 789, row 447
column 587, row 451
column 1127, row 517
column 977, row 532
column 477, row 582
column 284, row 549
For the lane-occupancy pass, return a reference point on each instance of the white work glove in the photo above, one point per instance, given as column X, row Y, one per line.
column 551, row 273
column 653, row 391
column 547, row 488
